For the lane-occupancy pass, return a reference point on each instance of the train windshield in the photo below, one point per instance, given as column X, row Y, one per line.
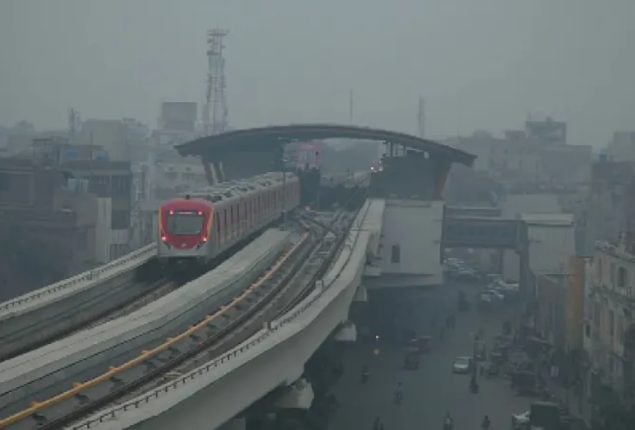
column 185, row 223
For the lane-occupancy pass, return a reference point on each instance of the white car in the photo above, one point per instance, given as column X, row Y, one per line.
column 486, row 298
column 521, row 421
column 495, row 295
column 462, row 365
column 507, row 285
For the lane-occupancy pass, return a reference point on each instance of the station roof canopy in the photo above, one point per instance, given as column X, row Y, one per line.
column 273, row 136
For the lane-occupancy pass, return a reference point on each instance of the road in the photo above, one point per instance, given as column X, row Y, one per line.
column 433, row 389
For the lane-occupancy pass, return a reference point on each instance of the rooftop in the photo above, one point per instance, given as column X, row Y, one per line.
column 274, row 136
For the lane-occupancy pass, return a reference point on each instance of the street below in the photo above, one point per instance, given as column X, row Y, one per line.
column 432, row 390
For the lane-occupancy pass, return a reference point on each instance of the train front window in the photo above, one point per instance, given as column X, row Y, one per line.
column 185, row 223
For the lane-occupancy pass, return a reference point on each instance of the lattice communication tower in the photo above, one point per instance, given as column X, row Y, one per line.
column 215, row 112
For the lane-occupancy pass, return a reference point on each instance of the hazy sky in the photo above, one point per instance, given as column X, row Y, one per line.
column 481, row 64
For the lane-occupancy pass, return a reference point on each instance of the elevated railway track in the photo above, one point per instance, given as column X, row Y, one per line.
column 267, row 296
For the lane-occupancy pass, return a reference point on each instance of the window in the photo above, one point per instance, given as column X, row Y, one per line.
column 599, row 268
column 120, row 219
column 82, row 240
column 612, row 274
column 395, row 256
column 622, row 277
column 596, row 314
column 4, row 181
column 185, row 224
column 120, row 185
column 611, row 323
column 587, row 330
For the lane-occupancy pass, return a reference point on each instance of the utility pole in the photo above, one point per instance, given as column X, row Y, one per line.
column 283, row 167
column 216, row 102
column 421, row 118
column 350, row 107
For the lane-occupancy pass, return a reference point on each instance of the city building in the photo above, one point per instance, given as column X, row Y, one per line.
column 609, row 209
column 560, row 305
column 536, row 159
column 178, row 116
column 622, row 147
column 48, row 226
column 547, row 131
column 54, row 150
column 111, row 182
column 118, row 138
column 611, row 309
column 551, row 243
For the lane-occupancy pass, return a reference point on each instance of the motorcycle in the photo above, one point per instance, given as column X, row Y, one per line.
column 473, row 386
column 365, row 376
column 448, row 424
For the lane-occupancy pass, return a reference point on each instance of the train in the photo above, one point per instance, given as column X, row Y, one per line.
column 207, row 223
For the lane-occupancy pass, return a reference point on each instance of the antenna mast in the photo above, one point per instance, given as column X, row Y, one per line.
column 74, row 124
column 216, row 102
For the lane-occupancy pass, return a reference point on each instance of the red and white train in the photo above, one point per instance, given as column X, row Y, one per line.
column 206, row 223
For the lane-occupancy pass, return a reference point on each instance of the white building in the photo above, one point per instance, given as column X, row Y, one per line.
column 551, row 244
column 410, row 245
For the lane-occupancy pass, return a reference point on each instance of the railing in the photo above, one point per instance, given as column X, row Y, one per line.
column 95, row 274
column 349, row 243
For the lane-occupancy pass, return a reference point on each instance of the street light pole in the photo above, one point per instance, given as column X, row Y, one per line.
column 284, row 190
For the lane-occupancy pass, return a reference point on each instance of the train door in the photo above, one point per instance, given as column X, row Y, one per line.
column 217, row 240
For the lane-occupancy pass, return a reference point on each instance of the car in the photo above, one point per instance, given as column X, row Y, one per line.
column 521, row 421
column 486, row 298
column 494, row 294
column 465, row 274
column 462, row 365
column 508, row 285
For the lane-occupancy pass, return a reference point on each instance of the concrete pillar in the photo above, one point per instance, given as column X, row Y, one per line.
column 298, row 395
column 235, row 424
column 210, row 172
column 347, row 333
column 220, row 172
column 361, row 295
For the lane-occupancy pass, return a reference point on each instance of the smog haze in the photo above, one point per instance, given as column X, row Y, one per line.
column 479, row 64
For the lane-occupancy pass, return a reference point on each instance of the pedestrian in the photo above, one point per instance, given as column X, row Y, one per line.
column 378, row 425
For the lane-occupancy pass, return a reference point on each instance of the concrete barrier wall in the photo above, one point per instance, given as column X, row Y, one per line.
column 28, row 320
column 215, row 392
column 48, row 370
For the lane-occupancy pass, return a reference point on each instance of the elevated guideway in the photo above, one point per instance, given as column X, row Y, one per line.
column 36, row 317
column 54, row 368
column 215, row 391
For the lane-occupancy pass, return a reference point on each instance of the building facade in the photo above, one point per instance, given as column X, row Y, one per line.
column 111, row 182
column 47, row 226
column 610, row 203
column 611, row 308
